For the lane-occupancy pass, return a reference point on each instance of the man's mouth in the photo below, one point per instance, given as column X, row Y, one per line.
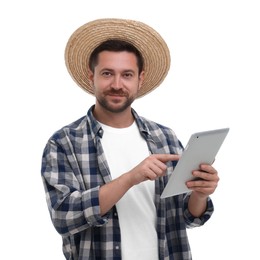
column 116, row 94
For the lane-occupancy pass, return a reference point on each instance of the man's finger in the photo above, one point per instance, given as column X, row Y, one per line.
column 167, row 157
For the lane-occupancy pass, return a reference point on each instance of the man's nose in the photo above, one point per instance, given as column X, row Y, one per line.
column 116, row 83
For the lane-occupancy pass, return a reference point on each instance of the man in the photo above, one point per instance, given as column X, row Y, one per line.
column 104, row 173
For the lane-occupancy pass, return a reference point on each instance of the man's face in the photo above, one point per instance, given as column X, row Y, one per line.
column 116, row 80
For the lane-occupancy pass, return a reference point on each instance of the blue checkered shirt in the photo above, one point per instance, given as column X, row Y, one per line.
column 73, row 169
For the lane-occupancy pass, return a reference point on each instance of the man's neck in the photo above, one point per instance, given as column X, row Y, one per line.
column 118, row 120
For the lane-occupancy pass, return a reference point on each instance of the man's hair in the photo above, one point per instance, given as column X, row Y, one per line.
column 116, row 46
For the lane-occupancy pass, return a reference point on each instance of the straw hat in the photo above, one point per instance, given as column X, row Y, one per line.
column 151, row 45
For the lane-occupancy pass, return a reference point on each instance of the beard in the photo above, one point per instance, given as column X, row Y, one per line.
column 110, row 107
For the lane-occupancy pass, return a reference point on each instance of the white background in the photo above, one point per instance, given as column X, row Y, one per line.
column 212, row 83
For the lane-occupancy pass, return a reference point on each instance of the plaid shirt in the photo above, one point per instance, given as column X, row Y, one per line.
column 73, row 169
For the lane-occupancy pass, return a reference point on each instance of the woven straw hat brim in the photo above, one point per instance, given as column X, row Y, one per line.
column 151, row 45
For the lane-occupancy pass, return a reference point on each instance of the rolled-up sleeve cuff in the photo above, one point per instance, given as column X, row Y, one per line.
column 91, row 208
column 192, row 221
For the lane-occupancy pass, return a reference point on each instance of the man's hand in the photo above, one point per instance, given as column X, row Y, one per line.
column 206, row 181
column 151, row 168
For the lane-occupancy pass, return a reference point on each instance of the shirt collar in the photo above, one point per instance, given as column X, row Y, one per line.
column 97, row 130
column 95, row 127
column 143, row 128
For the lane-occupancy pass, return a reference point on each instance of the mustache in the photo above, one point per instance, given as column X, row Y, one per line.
column 118, row 92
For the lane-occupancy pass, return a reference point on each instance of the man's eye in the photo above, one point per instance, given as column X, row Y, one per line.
column 106, row 73
column 128, row 75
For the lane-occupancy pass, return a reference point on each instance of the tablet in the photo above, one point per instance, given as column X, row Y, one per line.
column 202, row 147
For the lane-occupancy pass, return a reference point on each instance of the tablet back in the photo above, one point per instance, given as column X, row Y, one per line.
column 202, row 147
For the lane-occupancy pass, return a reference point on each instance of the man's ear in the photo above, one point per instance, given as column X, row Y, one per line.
column 141, row 79
column 91, row 78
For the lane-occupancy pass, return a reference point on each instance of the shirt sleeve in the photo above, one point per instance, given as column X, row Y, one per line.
column 72, row 207
column 192, row 221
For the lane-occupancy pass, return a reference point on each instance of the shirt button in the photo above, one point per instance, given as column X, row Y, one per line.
column 117, row 247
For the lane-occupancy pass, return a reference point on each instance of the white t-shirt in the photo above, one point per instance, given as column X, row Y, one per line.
column 124, row 149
